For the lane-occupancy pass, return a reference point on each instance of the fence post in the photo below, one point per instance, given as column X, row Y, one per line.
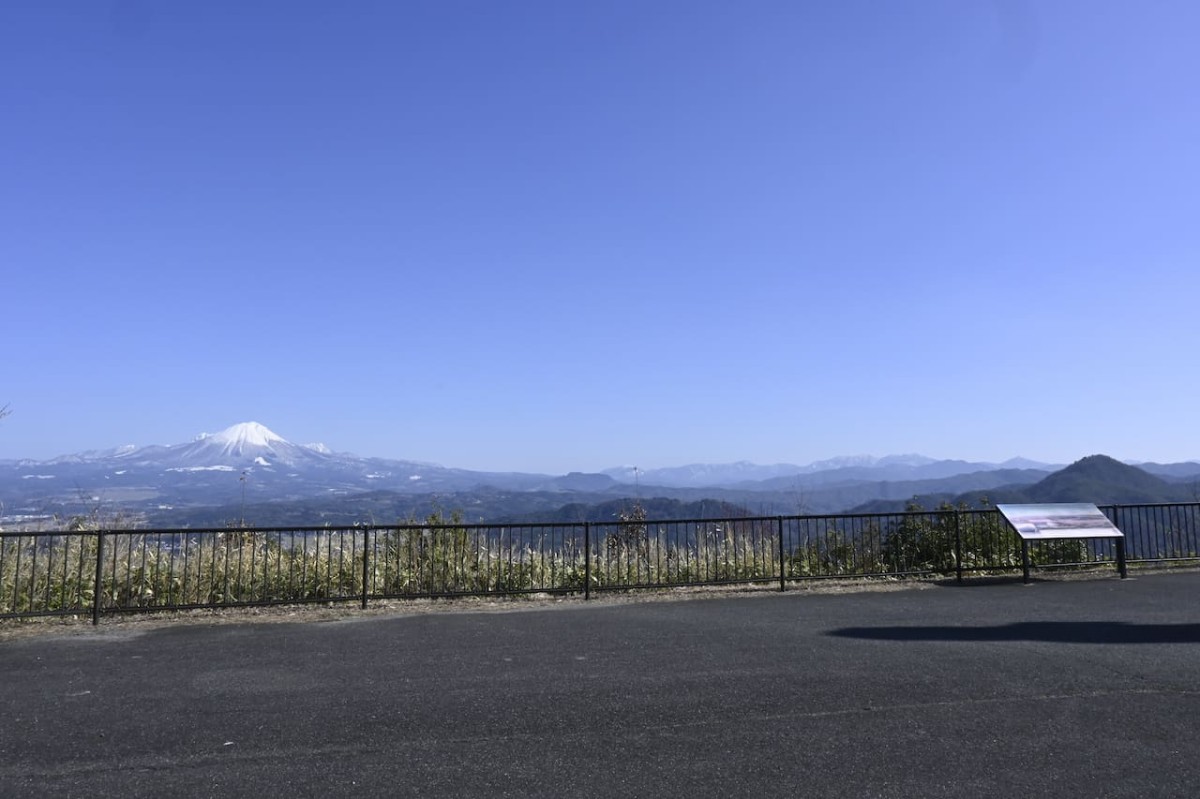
column 958, row 567
column 1113, row 512
column 1025, row 559
column 366, row 564
column 96, row 595
column 782, row 562
column 587, row 560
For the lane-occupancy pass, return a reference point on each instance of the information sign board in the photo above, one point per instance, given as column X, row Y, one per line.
column 1059, row 520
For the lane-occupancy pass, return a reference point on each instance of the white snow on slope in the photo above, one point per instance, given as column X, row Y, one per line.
column 200, row 469
column 246, row 434
column 244, row 444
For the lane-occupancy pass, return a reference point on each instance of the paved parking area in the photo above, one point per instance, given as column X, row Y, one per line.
column 1065, row 688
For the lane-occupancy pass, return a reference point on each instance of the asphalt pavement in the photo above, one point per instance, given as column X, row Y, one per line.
column 1063, row 688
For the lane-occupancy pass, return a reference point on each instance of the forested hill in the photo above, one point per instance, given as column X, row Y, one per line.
column 1097, row 478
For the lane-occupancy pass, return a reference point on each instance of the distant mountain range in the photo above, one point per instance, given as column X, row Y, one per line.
column 1097, row 478
column 783, row 475
column 248, row 472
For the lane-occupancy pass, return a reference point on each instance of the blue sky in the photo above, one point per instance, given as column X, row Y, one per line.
column 561, row 236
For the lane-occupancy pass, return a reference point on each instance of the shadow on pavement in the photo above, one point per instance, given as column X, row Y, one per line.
column 1066, row 632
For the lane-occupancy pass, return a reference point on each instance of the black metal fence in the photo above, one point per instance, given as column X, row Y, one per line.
column 112, row 571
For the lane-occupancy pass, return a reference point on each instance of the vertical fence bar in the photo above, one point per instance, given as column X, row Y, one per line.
column 16, row 595
column 587, row 560
column 99, row 578
column 782, row 562
column 1162, row 533
column 33, row 577
column 366, row 564
column 1162, row 529
column 47, row 602
column 17, row 574
column 4, row 595
column 958, row 560
column 63, row 601
column 1025, row 559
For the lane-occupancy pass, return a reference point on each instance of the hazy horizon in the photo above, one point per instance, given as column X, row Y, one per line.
column 641, row 467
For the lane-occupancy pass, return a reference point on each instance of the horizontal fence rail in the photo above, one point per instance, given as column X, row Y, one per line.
column 94, row 572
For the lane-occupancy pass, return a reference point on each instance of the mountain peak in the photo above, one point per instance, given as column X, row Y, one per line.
column 1103, row 466
column 245, row 434
column 245, row 441
column 1101, row 479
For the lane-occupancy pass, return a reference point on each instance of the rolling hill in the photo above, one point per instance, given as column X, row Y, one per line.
column 1098, row 479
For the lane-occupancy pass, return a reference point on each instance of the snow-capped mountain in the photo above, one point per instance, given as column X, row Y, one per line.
column 868, row 462
column 840, row 462
column 249, row 463
column 244, row 435
column 246, row 460
column 696, row 475
column 245, row 444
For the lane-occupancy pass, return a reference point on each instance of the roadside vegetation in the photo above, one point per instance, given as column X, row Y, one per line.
column 442, row 556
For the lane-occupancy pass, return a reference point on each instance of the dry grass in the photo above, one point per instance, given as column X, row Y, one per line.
column 117, row 626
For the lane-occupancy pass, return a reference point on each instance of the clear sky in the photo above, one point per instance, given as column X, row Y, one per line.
column 560, row 236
